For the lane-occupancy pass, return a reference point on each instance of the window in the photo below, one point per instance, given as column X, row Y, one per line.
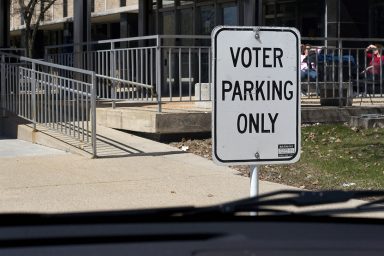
column 186, row 21
column 155, row 3
column 185, row 2
column 377, row 20
column 230, row 15
column 279, row 13
column 194, row 17
column 92, row 6
column 207, row 19
column 65, row 8
column 168, row 23
column 168, row 3
column 42, row 6
column 186, row 26
column 307, row 16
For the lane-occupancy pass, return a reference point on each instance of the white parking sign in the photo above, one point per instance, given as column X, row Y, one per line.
column 256, row 88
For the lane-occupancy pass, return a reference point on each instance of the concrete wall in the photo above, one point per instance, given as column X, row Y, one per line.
column 14, row 127
column 9, row 124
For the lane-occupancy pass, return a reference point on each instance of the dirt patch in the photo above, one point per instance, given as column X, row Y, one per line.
column 333, row 157
column 278, row 174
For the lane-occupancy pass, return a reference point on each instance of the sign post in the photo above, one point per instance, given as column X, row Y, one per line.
column 254, row 175
column 256, row 97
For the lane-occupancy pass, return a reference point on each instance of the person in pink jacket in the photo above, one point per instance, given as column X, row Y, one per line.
column 375, row 59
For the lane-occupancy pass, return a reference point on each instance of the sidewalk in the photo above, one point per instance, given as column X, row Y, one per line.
column 158, row 176
column 153, row 175
column 19, row 148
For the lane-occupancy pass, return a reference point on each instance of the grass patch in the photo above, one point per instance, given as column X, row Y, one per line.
column 335, row 157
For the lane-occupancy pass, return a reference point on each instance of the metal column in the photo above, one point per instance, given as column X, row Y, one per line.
column 251, row 12
column 4, row 23
column 144, row 8
column 81, row 29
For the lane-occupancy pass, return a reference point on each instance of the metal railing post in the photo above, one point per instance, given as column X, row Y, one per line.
column 112, row 74
column 33, row 100
column 381, row 74
column 340, row 46
column 46, row 54
column 2, row 86
column 93, row 114
column 158, row 72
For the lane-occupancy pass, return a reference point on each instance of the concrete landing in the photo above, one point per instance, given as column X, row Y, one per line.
column 191, row 117
column 175, row 118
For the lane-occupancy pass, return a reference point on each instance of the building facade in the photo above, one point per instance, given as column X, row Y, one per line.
column 107, row 19
column 127, row 18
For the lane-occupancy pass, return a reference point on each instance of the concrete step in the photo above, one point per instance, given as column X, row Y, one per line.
column 172, row 120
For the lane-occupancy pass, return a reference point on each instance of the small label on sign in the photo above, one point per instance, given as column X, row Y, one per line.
column 286, row 150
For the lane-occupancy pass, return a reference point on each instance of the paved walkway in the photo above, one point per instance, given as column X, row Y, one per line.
column 74, row 183
column 19, row 148
column 157, row 176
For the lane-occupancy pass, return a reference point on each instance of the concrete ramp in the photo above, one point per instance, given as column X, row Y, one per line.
column 113, row 143
column 110, row 143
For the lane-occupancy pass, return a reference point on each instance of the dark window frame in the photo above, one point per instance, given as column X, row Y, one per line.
column 65, row 8
column 42, row 5
column 217, row 5
column 92, row 5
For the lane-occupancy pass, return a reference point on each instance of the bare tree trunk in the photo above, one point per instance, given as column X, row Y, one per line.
column 28, row 12
column 31, row 50
column 28, row 41
column 32, row 41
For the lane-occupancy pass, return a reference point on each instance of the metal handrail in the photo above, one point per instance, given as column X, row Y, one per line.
column 343, row 39
column 53, row 65
column 175, row 70
column 154, row 37
column 57, row 102
column 124, row 81
column 130, row 39
column 23, row 50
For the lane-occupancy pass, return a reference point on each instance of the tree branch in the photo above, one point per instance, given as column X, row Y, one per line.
column 32, row 26
column 32, row 5
column 50, row 3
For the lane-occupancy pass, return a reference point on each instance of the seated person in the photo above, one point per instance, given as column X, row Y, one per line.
column 307, row 66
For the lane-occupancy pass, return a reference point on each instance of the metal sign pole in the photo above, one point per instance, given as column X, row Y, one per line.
column 254, row 189
column 254, row 175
